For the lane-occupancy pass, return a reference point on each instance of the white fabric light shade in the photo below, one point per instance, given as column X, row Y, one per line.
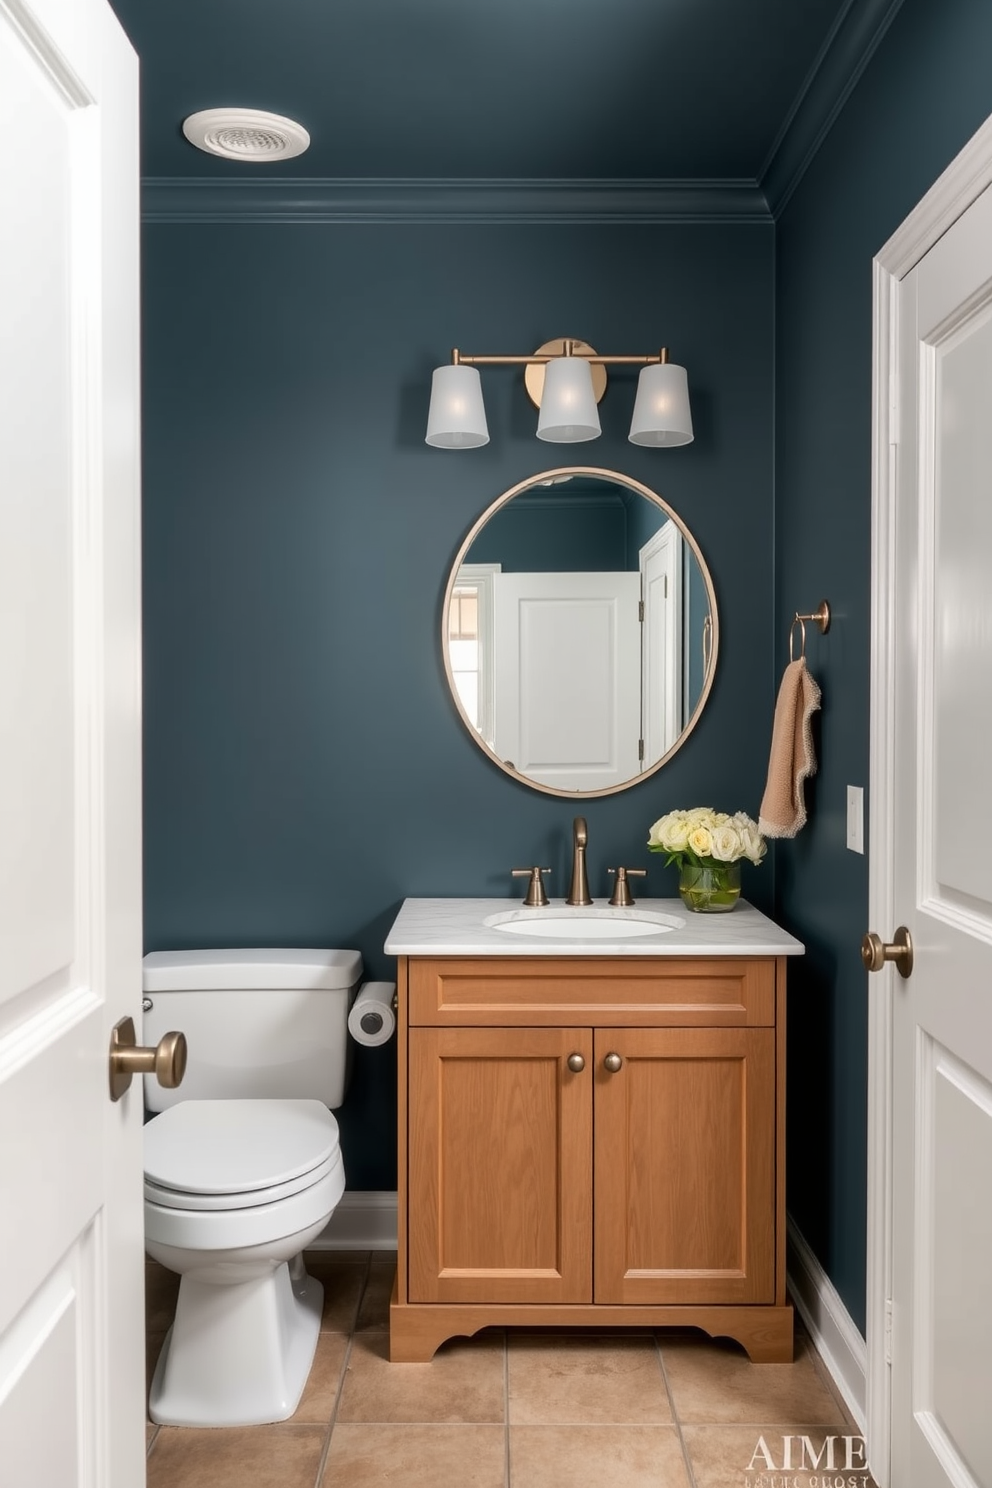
column 568, row 404
column 661, row 408
column 457, row 417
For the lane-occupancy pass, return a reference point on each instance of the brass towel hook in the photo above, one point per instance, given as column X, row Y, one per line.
column 820, row 617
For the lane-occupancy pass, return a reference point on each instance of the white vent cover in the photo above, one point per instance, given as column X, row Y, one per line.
column 245, row 134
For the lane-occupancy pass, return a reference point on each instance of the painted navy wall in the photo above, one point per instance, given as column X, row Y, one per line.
column 305, row 768
column 556, row 532
column 924, row 94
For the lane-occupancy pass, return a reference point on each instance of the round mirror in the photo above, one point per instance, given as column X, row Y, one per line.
column 580, row 632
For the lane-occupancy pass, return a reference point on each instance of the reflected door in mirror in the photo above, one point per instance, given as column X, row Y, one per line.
column 567, row 691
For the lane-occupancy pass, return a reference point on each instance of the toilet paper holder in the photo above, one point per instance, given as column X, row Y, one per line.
column 372, row 1019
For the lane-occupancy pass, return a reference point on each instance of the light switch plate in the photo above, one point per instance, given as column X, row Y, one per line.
column 856, row 818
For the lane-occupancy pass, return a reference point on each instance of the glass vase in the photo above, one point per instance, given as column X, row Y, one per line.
column 710, row 887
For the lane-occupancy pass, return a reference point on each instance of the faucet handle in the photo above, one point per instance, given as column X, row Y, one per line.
column 535, row 896
column 622, row 898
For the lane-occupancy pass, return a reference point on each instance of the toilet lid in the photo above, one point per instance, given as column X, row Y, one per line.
column 238, row 1147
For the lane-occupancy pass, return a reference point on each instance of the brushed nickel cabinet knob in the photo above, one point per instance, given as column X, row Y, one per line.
column 576, row 1063
column 612, row 1062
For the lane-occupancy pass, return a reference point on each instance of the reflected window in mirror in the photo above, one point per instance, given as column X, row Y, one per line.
column 580, row 631
column 470, row 644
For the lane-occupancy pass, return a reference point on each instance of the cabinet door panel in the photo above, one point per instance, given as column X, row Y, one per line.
column 500, row 1138
column 685, row 1166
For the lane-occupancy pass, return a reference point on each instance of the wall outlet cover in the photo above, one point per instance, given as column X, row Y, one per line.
column 856, row 818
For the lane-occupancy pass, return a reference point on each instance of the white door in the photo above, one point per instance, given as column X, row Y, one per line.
column 662, row 656
column 567, row 677
column 935, row 864
column 71, row 1253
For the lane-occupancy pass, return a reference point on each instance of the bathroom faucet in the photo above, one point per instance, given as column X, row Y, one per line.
column 578, row 891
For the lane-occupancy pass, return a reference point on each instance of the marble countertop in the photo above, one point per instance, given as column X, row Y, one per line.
column 456, row 927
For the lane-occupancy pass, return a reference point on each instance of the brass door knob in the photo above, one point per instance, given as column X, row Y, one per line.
column 612, row 1062
column 166, row 1061
column 875, row 952
column 576, row 1063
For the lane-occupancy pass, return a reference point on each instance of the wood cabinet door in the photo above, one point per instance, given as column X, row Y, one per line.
column 500, row 1156
column 685, row 1165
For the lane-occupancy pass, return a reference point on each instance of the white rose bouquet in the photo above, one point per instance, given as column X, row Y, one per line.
column 708, row 846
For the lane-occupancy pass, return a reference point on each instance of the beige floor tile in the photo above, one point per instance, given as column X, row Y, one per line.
column 321, row 1390
column 464, row 1382
column 586, row 1379
column 596, row 1457
column 415, row 1457
column 733, row 1456
column 161, row 1291
column 342, row 1282
column 716, row 1382
column 374, row 1309
column 285, row 1456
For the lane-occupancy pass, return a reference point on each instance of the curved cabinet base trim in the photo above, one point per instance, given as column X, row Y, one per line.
column 416, row 1330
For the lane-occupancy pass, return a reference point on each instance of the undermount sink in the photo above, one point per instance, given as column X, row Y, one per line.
column 584, row 922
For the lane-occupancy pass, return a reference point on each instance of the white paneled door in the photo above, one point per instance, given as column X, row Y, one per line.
column 71, row 1253
column 568, row 684
column 939, row 854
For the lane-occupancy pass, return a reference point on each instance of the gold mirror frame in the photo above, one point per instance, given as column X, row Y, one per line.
column 548, row 477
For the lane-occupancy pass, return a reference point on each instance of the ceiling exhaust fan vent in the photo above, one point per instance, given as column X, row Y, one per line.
column 245, row 134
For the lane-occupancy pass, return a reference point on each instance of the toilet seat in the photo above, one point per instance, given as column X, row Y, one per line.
column 180, row 1198
column 257, row 1224
column 239, row 1172
column 231, row 1151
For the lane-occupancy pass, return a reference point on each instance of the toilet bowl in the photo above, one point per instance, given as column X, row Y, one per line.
column 234, row 1191
column 237, row 1186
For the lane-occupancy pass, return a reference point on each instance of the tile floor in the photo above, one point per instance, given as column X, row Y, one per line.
column 514, row 1409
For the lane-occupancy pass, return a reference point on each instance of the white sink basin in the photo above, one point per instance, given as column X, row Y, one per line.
column 584, row 922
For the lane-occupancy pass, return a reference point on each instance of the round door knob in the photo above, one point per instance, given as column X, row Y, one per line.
column 166, row 1060
column 576, row 1063
column 875, row 952
column 612, row 1062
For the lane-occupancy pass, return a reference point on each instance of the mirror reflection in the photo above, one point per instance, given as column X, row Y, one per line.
column 580, row 631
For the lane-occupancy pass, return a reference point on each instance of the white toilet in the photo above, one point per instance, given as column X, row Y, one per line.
column 242, row 1170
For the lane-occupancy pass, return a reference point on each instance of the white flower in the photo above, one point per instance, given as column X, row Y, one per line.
column 753, row 843
column 672, row 832
column 701, row 842
column 726, row 841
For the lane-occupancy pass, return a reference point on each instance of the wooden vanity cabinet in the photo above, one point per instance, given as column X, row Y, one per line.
column 591, row 1141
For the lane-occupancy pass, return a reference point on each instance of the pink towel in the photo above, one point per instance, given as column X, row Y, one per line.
column 791, row 761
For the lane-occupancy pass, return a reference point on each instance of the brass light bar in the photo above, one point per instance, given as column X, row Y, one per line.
column 537, row 359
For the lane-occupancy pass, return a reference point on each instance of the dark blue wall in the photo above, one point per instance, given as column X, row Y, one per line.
column 556, row 533
column 926, row 91
column 305, row 768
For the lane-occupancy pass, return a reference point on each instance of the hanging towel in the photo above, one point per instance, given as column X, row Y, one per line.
column 783, row 810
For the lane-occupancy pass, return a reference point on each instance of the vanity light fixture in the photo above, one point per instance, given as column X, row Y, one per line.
column 565, row 379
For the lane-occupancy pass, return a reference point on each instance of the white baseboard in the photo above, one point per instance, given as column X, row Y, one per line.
column 365, row 1219
column 829, row 1324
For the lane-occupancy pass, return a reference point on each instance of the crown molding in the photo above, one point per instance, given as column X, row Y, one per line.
column 846, row 52
column 303, row 199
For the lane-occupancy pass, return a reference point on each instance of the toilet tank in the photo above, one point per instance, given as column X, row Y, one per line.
column 258, row 1023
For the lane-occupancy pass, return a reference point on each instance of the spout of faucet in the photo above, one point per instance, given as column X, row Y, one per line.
column 578, row 892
